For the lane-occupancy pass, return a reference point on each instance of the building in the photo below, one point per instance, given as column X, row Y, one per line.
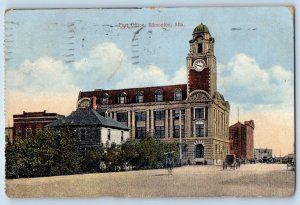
column 29, row 123
column 242, row 140
column 9, row 135
column 93, row 129
column 262, row 154
column 204, row 112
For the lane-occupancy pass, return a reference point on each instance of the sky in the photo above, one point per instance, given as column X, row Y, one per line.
column 51, row 55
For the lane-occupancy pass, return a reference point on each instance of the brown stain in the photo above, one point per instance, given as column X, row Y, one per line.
column 292, row 12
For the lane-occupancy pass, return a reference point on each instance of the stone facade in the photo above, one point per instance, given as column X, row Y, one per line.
column 242, row 139
column 92, row 129
column 204, row 111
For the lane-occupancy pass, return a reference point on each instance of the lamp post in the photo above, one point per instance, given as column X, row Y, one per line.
column 180, row 147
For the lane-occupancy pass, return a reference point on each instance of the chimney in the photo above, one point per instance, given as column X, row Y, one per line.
column 94, row 102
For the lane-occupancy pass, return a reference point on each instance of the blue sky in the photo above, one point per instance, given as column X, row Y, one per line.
column 52, row 54
column 45, row 31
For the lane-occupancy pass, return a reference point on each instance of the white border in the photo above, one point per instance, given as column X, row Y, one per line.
column 29, row 4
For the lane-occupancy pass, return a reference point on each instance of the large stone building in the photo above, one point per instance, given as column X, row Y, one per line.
column 204, row 111
column 242, row 140
column 29, row 123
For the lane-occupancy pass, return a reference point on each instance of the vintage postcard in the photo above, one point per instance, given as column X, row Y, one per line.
column 150, row 102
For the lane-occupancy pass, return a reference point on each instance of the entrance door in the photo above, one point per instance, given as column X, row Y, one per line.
column 199, row 151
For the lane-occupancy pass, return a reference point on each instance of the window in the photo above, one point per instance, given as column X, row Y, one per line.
column 140, row 116
column 158, row 96
column 28, row 132
column 122, row 98
column 199, row 130
column 160, row 131
column 122, row 136
column 200, row 48
column 104, row 99
column 82, row 133
column 122, row 116
column 19, row 132
column 177, row 129
column 108, row 134
column 199, row 151
column 140, row 97
column 176, row 114
column 159, row 115
column 83, row 151
column 177, row 95
column 140, row 132
column 38, row 130
column 199, row 113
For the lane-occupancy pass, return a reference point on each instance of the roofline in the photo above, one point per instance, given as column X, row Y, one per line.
column 91, row 125
column 133, row 88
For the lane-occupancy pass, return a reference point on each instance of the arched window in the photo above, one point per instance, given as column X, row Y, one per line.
column 177, row 95
column 139, row 97
column 122, row 98
column 104, row 99
column 199, row 151
column 158, row 96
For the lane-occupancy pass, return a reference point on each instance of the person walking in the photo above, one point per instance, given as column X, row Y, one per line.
column 169, row 163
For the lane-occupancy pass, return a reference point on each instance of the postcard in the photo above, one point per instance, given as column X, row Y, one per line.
column 150, row 102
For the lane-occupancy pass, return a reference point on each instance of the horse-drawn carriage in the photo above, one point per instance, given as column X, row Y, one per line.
column 231, row 161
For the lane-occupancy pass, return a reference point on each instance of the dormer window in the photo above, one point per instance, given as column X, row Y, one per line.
column 177, row 95
column 104, row 99
column 158, row 96
column 139, row 97
column 122, row 98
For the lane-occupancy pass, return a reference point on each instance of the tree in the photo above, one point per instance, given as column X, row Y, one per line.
column 129, row 153
column 22, row 158
column 50, row 152
column 67, row 158
column 92, row 158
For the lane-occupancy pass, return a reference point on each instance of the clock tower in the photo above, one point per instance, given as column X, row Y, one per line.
column 201, row 62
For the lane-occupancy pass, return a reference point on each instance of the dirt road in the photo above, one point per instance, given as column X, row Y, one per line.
column 187, row 181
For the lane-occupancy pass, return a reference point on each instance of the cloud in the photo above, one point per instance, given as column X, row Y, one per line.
column 244, row 82
column 108, row 67
column 42, row 84
column 49, row 84
column 265, row 95
column 44, row 73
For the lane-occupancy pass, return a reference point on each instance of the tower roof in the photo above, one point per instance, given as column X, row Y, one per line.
column 201, row 28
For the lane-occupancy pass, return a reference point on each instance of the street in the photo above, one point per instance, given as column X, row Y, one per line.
column 187, row 181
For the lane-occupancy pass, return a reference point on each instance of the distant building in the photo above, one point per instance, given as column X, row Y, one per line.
column 92, row 129
column 29, row 123
column 262, row 154
column 241, row 139
column 9, row 134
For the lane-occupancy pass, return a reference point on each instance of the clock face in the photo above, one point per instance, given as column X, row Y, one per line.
column 199, row 65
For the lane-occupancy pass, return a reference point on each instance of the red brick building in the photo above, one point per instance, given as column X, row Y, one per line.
column 241, row 139
column 29, row 123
